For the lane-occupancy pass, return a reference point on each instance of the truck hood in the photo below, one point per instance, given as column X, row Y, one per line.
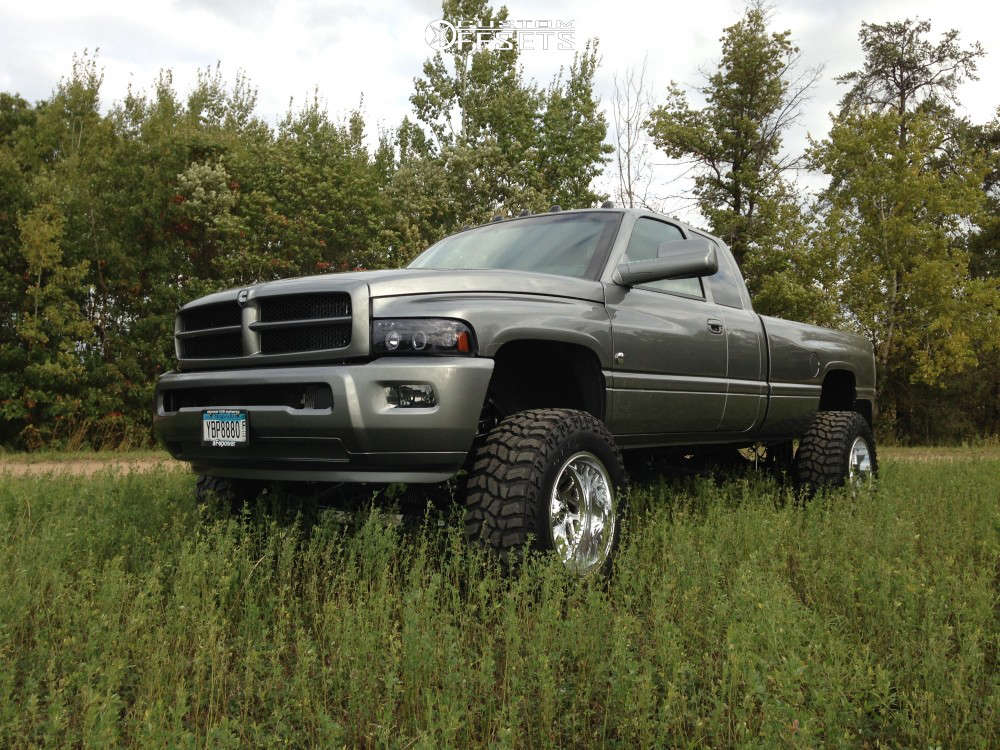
column 410, row 281
column 431, row 281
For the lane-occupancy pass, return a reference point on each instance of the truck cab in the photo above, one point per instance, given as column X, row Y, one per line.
column 605, row 329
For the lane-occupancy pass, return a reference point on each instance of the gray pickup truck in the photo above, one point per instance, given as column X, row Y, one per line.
column 529, row 352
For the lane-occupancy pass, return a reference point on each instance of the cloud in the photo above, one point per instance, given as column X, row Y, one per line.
column 350, row 47
column 240, row 12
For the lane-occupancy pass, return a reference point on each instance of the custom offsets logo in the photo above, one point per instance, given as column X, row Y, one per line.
column 529, row 35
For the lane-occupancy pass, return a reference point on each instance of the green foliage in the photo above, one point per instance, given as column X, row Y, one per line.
column 15, row 113
column 133, row 618
column 504, row 144
column 984, row 245
column 897, row 216
column 571, row 148
column 904, row 70
column 791, row 278
column 51, row 328
column 905, row 185
column 111, row 217
column 734, row 141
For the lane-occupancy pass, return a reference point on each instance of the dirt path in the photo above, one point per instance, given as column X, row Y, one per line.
column 88, row 467
column 946, row 453
column 124, row 464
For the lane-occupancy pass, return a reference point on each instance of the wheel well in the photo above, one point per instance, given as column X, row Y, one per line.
column 838, row 391
column 548, row 374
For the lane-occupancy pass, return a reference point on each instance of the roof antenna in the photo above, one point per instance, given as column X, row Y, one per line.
column 555, row 207
column 608, row 204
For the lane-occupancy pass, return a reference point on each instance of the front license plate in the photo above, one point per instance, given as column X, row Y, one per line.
column 224, row 428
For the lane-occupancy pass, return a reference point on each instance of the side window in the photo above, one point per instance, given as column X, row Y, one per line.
column 647, row 236
column 725, row 286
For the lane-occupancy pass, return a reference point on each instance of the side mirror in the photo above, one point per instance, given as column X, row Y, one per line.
column 679, row 259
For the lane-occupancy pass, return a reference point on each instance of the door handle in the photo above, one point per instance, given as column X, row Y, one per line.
column 715, row 326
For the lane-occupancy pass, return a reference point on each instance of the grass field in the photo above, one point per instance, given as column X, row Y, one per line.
column 130, row 616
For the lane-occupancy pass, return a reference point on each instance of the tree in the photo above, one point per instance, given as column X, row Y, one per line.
column 481, row 114
column 423, row 198
column 15, row 113
column 571, row 148
column 981, row 388
column 792, row 277
column 904, row 72
column 327, row 191
column 734, row 143
column 53, row 331
column 984, row 245
column 505, row 144
column 629, row 111
column 904, row 189
column 897, row 217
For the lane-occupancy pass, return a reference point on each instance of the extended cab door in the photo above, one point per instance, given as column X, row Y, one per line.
column 746, row 358
column 669, row 348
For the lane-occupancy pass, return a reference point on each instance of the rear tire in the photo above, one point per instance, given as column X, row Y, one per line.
column 551, row 478
column 837, row 449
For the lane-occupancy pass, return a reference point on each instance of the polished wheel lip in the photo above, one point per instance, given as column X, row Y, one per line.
column 582, row 512
column 859, row 460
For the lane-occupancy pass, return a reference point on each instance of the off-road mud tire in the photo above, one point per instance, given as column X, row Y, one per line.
column 823, row 457
column 508, row 488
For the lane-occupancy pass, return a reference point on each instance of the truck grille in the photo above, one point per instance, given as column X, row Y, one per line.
column 213, row 345
column 210, row 316
column 283, row 324
column 304, row 322
column 305, row 339
column 305, row 307
column 211, row 331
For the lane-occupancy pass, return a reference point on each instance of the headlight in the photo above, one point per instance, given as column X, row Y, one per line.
column 422, row 336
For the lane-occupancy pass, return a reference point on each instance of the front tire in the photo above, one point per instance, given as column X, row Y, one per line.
column 838, row 449
column 551, row 477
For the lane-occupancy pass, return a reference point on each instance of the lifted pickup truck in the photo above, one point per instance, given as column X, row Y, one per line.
column 529, row 352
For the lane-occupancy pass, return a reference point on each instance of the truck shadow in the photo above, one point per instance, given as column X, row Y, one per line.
column 664, row 480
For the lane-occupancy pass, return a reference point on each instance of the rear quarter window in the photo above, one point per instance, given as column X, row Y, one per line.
column 725, row 284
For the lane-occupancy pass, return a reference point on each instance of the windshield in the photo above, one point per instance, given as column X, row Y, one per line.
column 566, row 245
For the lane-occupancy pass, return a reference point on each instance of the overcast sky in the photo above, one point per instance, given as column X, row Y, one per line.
column 350, row 48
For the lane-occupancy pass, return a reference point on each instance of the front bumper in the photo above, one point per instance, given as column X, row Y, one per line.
column 361, row 438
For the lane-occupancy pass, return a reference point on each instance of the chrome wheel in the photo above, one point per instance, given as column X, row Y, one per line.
column 859, row 461
column 582, row 513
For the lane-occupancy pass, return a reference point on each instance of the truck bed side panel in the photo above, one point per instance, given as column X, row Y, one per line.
column 800, row 357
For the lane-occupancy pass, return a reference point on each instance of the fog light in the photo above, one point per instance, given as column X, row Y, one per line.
column 410, row 395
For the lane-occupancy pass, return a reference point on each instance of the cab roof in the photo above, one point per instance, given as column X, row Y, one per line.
column 636, row 212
